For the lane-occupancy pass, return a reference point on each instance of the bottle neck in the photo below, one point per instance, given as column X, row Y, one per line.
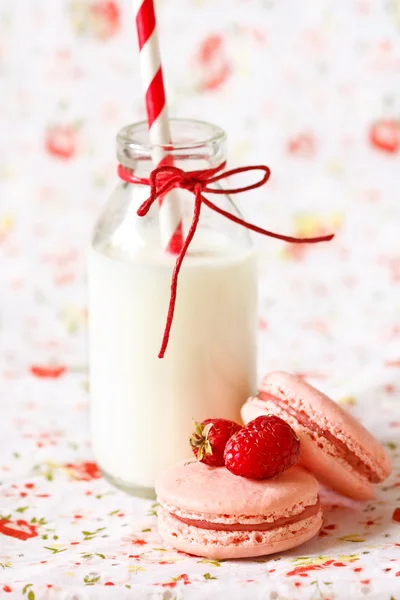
column 196, row 145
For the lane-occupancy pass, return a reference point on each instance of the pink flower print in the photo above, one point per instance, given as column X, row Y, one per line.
column 212, row 62
column 384, row 135
column 105, row 16
column 85, row 471
column 61, row 141
column 302, row 145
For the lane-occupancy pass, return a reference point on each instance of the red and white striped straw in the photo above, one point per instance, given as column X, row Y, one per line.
column 157, row 116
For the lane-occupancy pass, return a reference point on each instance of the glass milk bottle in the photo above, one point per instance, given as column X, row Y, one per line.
column 142, row 407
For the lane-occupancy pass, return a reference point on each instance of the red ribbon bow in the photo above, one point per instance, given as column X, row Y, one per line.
column 164, row 178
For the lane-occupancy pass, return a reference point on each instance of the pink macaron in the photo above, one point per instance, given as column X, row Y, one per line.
column 208, row 511
column 334, row 446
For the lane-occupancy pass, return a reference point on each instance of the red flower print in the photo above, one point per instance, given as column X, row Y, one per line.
column 384, row 135
column 396, row 515
column 61, row 141
column 139, row 542
column 22, row 530
column 212, row 63
column 106, row 18
column 51, row 372
column 326, row 530
column 85, row 471
column 370, row 522
column 302, row 145
column 6, row 588
column 171, row 584
column 304, row 569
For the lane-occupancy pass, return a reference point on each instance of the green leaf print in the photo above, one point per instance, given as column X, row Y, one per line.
column 26, row 587
column 54, row 550
column 100, row 496
column 91, row 579
column 208, row 576
column 207, row 561
column 90, row 535
column 153, row 510
column 353, row 537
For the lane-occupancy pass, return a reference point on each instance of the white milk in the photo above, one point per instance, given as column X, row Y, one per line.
column 142, row 406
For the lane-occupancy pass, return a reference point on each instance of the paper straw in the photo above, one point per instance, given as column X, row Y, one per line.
column 170, row 217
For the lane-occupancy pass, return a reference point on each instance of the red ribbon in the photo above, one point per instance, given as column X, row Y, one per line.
column 164, row 178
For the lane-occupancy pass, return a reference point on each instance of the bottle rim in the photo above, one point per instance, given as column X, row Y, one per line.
column 129, row 136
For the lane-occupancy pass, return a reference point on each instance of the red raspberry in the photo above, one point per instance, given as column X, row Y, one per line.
column 264, row 448
column 209, row 440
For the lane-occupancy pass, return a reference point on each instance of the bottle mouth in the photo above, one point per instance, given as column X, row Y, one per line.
column 186, row 135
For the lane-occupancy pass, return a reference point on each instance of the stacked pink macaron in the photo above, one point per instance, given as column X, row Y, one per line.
column 334, row 446
column 211, row 511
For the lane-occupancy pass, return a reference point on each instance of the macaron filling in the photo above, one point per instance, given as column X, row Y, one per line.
column 341, row 449
column 207, row 523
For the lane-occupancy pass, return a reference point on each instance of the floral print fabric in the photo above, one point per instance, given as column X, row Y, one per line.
column 311, row 89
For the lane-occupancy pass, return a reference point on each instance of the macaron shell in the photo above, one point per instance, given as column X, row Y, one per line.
column 333, row 473
column 196, row 488
column 329, row 415
column 230, row 545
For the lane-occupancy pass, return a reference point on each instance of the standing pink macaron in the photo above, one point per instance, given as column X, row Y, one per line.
column 334, row 446
column 208, row 511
